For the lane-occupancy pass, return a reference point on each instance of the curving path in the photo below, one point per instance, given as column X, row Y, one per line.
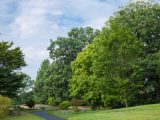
column 46, row 116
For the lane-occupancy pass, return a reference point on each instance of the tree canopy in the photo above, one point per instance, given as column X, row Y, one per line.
column 114, row 67
column 11, row 62
column 119, row 67
column 63, row 51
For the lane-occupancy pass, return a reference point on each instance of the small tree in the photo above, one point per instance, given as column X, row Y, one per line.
column 30, row 103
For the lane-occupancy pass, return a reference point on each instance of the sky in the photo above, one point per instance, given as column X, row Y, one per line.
column 30, row 24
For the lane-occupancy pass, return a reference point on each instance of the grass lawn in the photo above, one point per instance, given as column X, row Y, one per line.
column 25, row 116
column 146, row 112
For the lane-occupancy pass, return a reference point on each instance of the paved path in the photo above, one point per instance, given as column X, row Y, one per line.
column 46, row 116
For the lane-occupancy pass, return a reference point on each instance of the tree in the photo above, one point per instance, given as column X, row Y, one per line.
column 56, row 84
column 123, row 66
column 103, row 70
column 26, row 92
column 63, row 51
column 40, row 92
column 11, row 62
column 143, row 20
column 28, row 84
column 83, row 85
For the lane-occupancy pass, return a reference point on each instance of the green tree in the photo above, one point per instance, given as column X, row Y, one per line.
column 63, row 51
column 28, row 84
column 23, row 97
column 26, row 92
column 40, row 93
column 143, row 20
column 11, row 62
column 56, row 84
column 103, row 70
column 83, row 85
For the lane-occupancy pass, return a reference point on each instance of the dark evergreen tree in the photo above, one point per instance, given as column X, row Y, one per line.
column 11, row 62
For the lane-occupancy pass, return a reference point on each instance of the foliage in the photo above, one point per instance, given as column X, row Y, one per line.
column 57, row 101
column 116, row 47
column 23, row 97
column 5, row 103
column 29, row 84
column 63, row 51
column 64, row 105
column 76, row 103
column 30, row 103
column 11, row 62
column 52, row 79
column 51, row 101
column 115, row 67
column 119, row 67
column 83, row 84
column 143, row 20
column 26, row 92
column 40, row 92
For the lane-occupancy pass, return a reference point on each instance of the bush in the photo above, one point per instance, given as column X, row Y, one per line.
column 51, row 101
column 5, row 103
column 57, row 101
column 64, row 105
column 76, row 103
column 30, row 103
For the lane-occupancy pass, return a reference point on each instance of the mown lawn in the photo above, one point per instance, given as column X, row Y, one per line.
column 146, row 112
column 25, row 116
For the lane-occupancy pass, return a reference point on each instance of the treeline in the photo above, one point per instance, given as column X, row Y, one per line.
column 53, row 78
column 115, row 67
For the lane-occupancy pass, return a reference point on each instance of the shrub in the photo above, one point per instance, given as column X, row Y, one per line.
column 51, row 101
column 64, row 105
column 30, row 103
column 57, row 101
column 5, row 103
column 75, row 103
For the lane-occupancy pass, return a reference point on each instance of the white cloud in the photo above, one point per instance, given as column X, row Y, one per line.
column 34, row 15
column 35, row 54
column 32, row 18
column 32, row 23
column 97, row 24
column 43, row 54
column 93, row 12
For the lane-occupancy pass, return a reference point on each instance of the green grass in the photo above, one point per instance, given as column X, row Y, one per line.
column 146, row 112
column 25, row 116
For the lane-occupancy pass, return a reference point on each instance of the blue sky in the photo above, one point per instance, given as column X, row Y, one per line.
column 31, row 24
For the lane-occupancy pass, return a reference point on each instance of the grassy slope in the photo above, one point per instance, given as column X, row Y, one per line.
column 146, row 112
column 25, row 116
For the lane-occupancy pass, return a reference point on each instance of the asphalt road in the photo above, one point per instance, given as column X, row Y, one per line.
column 46, row 116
